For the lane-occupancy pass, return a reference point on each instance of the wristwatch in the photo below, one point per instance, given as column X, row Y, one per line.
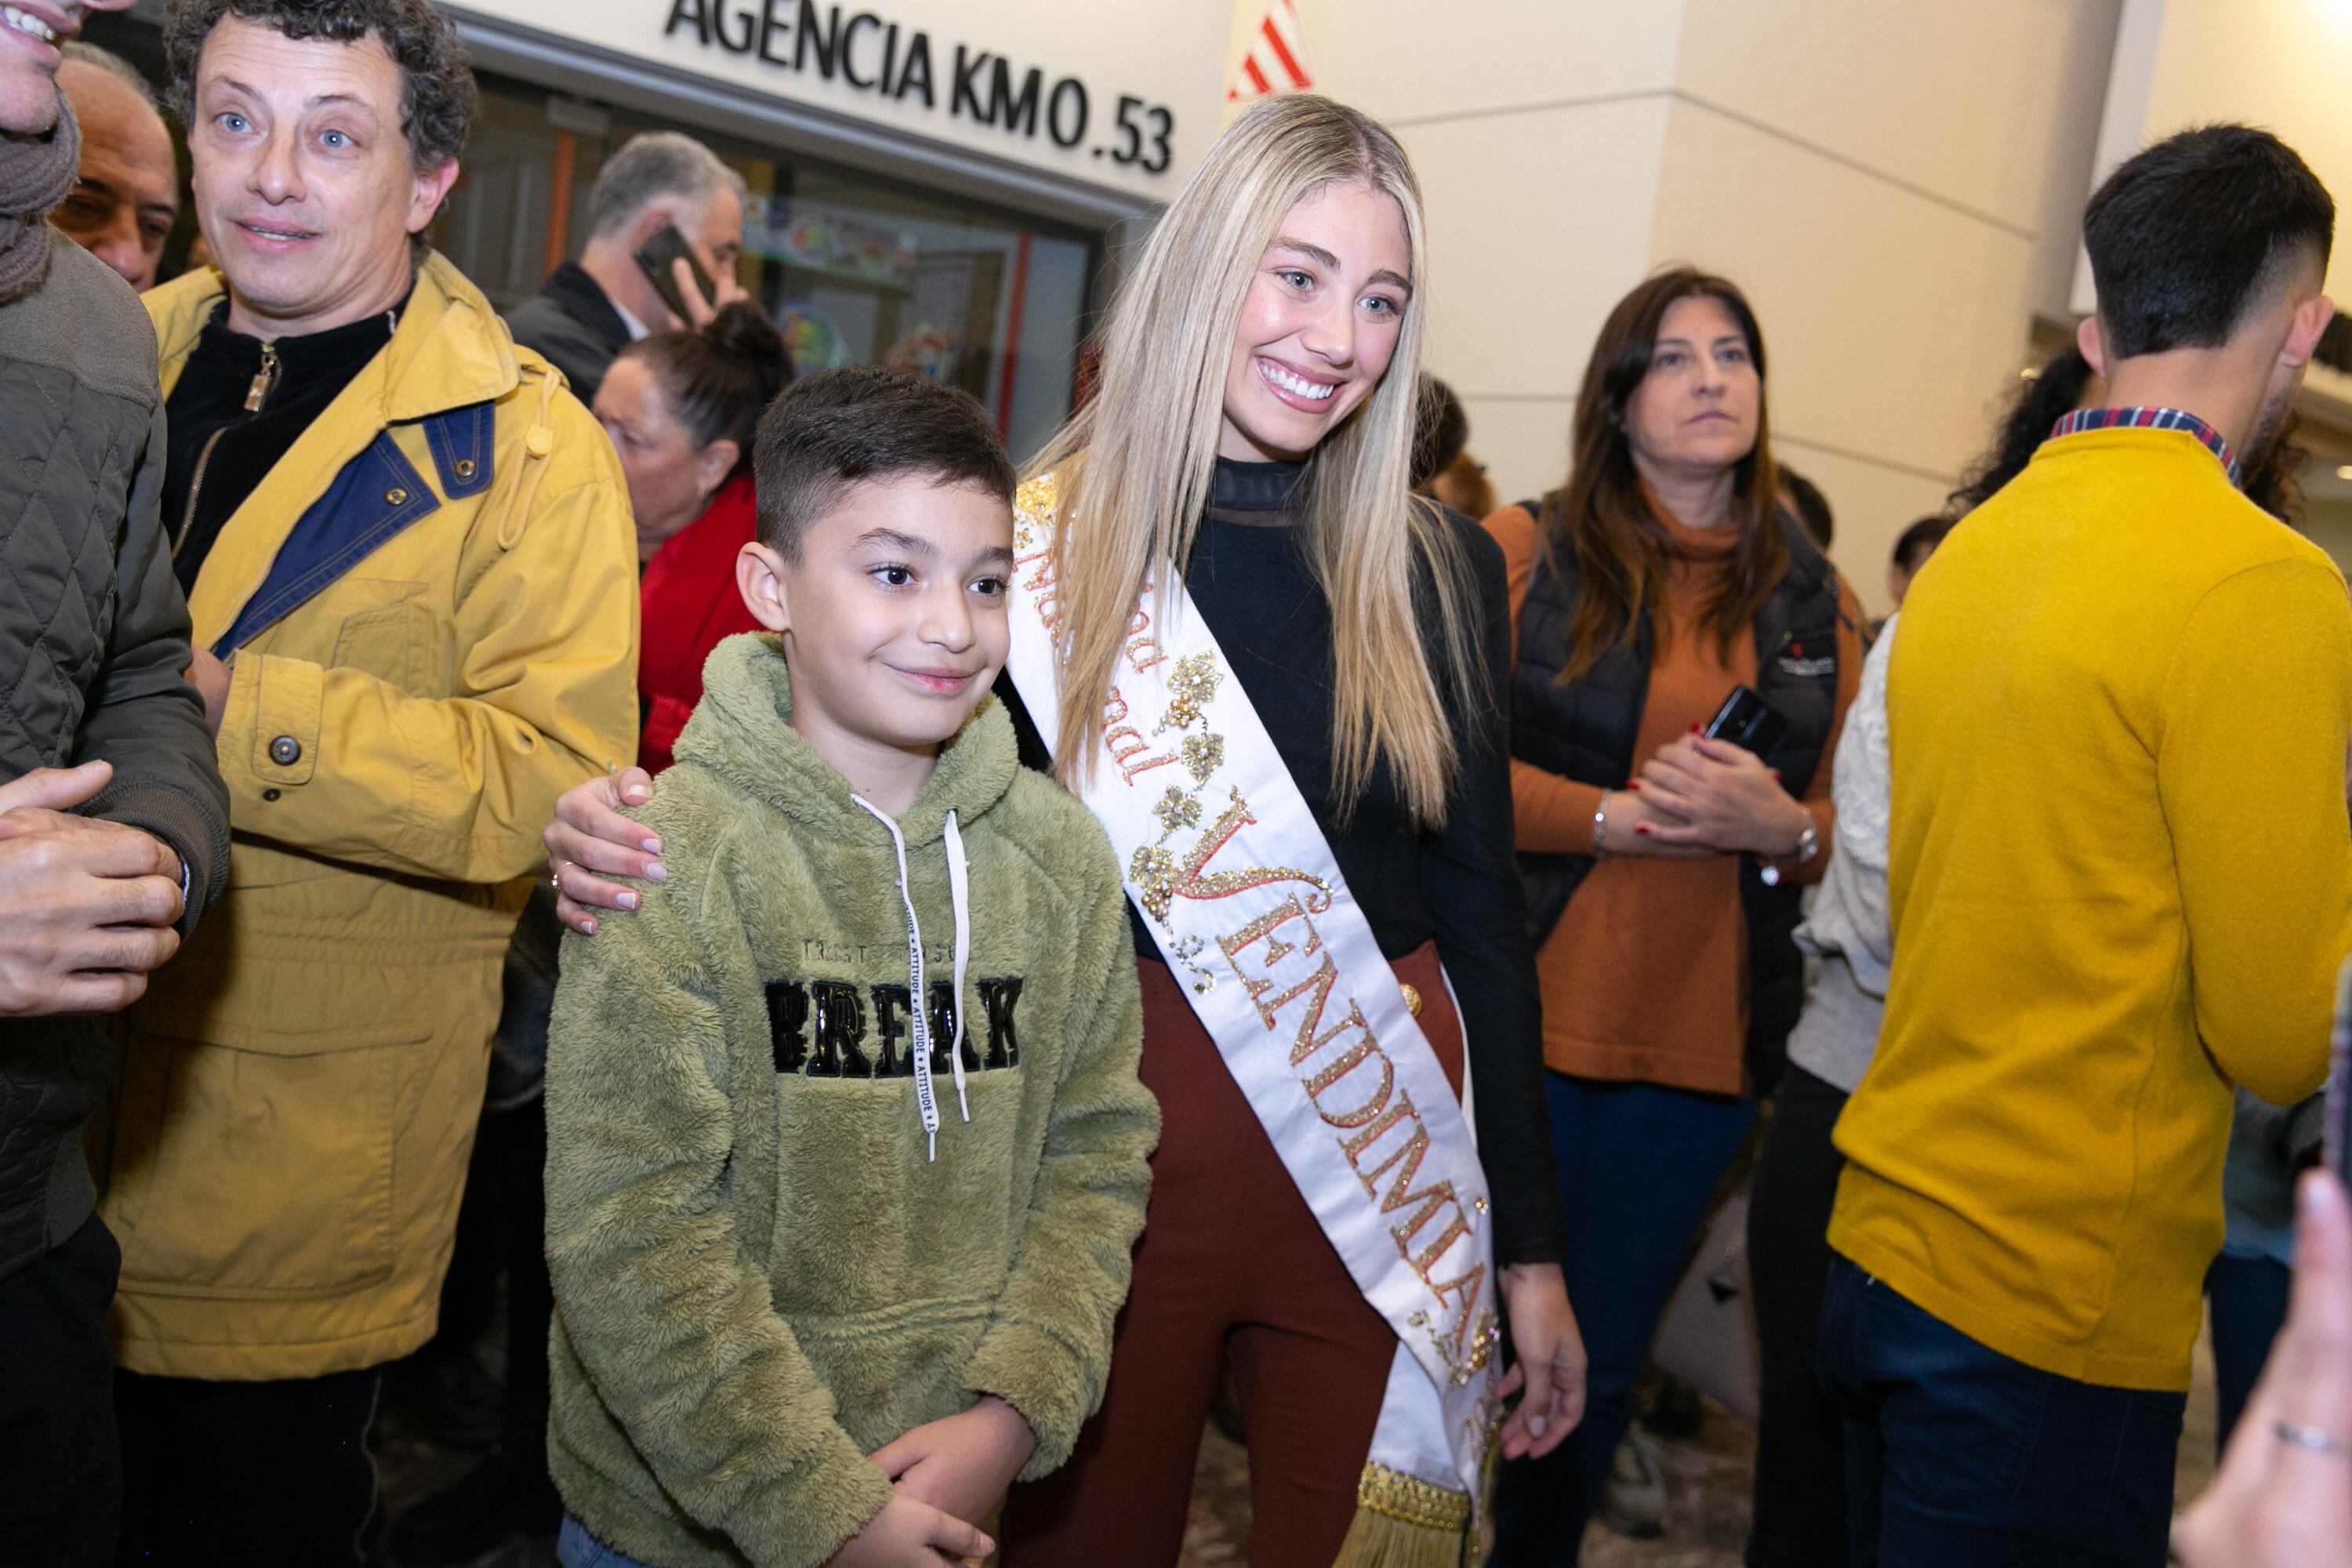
column 1809, row 844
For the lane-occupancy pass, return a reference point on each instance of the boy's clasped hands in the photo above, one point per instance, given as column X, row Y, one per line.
column 943, row 1474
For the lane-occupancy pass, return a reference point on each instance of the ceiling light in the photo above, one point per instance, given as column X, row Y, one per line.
column 2345, row 472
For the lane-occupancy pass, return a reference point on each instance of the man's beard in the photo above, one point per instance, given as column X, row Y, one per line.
column 2267, row 425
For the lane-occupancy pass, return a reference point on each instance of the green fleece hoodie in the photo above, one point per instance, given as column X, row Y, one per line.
column 760, row 1276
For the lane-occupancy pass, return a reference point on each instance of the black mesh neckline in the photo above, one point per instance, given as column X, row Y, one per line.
column 1254, row 487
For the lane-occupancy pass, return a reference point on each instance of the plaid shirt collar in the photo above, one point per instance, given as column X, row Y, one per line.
column 2150, row 418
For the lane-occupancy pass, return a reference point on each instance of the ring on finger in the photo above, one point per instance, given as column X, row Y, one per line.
column 2318, row 1439
column 556, row 878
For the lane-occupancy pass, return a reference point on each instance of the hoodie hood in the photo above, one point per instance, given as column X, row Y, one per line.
column 740, row 731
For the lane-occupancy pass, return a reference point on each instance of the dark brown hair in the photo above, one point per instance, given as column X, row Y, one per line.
column 716, row 381
column 1602, row 515
column 828, row 432
column 438, row 99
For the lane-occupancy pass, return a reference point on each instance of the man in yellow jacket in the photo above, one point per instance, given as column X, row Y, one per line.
column 412, row 574
column 2121, row 877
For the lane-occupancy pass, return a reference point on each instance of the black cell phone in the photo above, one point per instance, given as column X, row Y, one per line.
column 658, row 256
column 1746, row 720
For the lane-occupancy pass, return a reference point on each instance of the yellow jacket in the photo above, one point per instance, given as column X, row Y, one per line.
column 432, row 602
column 2121, row 879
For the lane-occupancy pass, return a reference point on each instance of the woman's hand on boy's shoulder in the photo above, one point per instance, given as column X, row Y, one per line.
column 911, row 1534
column 962, row 1464
column 590, row 841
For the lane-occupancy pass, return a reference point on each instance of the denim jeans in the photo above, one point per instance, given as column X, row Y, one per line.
column 1637, row 1166
column 2249, row 1300
column 1958, row 1456
column 575, row 1548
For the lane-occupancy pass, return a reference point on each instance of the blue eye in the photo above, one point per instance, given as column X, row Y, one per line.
column 1297, row 279
column 232, row 121
column 335, row 139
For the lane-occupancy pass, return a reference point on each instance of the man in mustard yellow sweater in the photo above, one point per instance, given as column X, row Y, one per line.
column 2121, row 877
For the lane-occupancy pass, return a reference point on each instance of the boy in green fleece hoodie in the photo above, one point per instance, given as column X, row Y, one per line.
column 845, row 1145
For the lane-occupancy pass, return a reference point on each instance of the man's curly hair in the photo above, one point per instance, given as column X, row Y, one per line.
column 438, row 98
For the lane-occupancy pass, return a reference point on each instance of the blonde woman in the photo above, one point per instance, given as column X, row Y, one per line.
column 1276, row 678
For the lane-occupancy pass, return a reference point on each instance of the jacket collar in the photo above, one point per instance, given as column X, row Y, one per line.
column 740, row 732
column 582, row 299
column 449, row 351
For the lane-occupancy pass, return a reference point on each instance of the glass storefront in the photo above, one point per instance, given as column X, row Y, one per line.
column 857, row 268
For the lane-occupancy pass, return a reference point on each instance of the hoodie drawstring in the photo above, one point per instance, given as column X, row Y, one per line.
column 959, row 875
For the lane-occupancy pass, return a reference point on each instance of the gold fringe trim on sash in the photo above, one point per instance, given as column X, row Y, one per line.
column 1402, row 1522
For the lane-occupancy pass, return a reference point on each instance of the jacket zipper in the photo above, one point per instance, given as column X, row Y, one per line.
column 263, row 379
column 263, row 382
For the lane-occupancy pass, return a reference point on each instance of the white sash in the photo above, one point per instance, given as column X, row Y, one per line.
column 1240, row 889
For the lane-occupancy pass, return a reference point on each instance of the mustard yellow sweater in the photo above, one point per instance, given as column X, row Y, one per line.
column 2121, row 879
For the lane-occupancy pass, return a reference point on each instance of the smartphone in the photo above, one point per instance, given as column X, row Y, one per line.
column 658, row 256
column 1746, row 720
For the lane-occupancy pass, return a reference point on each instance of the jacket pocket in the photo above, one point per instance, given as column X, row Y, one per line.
column 393, row 641
column 258, row 1165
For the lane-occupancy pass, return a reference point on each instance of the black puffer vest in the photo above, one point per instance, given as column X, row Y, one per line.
column 1586, row 732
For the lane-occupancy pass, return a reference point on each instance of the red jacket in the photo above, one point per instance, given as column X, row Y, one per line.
column 690, row 602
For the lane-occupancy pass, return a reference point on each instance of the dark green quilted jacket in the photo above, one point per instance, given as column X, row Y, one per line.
column 93, row 639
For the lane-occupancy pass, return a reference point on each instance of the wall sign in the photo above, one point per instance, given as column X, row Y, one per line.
column 1074, row 86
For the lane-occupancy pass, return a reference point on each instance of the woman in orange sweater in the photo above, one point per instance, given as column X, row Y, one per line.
column 1661, row 865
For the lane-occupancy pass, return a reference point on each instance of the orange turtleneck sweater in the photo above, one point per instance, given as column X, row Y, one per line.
column 1645, row 976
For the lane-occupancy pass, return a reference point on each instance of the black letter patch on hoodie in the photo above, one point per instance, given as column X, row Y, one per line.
column 890, row 1014
column 997, row 998
column 835, row 1011
column 840, row 1024
column 788, row 1024
column 943, row 1028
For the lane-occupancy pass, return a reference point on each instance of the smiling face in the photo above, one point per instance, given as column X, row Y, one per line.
column 670, row 479
column 127, row 191
column 893, row 615
column 30, row 32
column 1319, row 323
column 305, row 188
column 1696, row 410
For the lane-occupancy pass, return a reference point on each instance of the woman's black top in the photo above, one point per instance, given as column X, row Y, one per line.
column 1257, row 590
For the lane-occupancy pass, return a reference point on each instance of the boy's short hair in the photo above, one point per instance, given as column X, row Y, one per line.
column 2183, row 236
column 828, row 432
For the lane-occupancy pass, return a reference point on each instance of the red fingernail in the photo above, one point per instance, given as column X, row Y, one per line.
column 1697, row 727
column 1643, row 829
column 1776, row 773
column 1635, row 785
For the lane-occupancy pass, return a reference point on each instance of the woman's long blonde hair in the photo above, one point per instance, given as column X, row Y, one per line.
column 1136, row 465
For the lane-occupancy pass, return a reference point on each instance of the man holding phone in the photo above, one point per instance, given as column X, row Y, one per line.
column 664, row 224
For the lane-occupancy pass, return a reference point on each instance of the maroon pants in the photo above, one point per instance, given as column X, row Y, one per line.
column 1232, row 1265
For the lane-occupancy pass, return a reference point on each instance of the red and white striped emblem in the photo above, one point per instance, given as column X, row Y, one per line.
column 1277, row 62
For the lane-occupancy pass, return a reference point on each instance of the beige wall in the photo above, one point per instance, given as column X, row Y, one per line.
column 2283, row 64
column 1895, row 187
